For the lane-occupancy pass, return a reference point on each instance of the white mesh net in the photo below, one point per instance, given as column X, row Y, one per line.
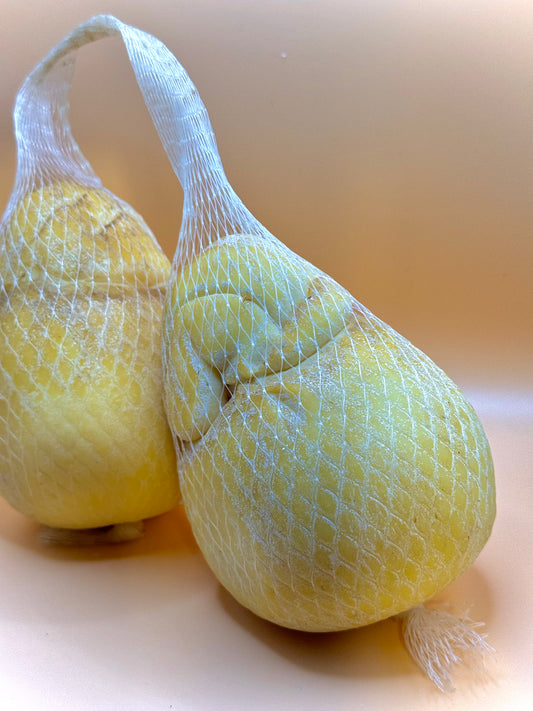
column 332, row 474
column 84, row 440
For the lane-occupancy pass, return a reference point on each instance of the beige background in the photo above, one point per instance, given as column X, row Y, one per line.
column 390, row 143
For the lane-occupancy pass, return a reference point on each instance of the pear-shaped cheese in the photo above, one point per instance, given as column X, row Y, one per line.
column 332, row 474
column 84, row 440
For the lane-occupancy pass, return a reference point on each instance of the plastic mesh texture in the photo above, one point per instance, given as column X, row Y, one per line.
column 439, row 642
column 331, row 473
column 84, row 440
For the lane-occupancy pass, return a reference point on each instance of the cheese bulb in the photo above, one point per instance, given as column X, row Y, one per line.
column 84, row 441
column 333, row 475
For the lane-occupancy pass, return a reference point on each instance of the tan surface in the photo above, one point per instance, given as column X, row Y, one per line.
column 391, row 144
column 145, row 626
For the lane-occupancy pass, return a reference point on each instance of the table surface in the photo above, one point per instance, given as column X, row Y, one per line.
column 145, row 625
column 389, row 143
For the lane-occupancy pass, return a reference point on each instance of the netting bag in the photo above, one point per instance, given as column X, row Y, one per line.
column 84, row 440
column 333, row 476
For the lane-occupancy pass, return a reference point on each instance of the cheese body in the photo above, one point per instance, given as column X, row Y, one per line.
column 84, row 440
column 333, row 475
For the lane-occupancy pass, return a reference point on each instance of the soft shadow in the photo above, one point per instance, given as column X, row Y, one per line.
column 167, row 533
column 59, row 586
column 469, row 595
column 372, row 651
column 375, row 650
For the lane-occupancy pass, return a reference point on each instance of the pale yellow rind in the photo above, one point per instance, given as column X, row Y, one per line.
column 346, row 486
column 84, row 439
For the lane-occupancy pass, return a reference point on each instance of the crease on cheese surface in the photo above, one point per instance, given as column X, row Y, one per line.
column 84, row 440
column 333, row 475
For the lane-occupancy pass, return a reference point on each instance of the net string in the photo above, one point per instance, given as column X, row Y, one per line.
column 47, row 150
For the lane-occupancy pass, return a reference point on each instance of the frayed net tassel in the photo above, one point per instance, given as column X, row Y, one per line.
column 439, row 642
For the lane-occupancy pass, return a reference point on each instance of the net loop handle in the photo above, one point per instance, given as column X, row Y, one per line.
column 46, row 149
